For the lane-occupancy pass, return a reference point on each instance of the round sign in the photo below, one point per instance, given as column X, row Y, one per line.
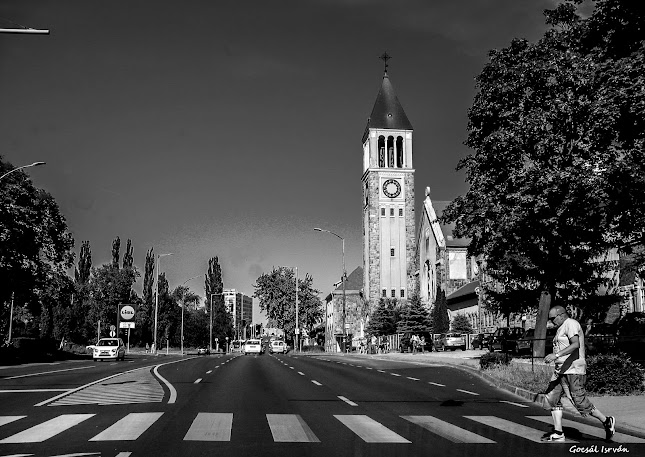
column 127, row 312
column 112, row 328
column 112, row 333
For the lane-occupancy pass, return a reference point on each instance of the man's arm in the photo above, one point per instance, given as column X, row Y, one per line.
column 574, row 345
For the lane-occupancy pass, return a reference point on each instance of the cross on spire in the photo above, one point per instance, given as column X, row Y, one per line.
column 385, row 57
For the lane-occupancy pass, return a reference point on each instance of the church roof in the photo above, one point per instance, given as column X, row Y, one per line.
column 354, row 281
column 447, row 229
column 387, row 112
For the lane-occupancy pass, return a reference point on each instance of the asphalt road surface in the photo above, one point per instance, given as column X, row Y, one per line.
column 274, row 405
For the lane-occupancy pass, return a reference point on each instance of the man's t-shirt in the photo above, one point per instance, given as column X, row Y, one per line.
column 573, row 363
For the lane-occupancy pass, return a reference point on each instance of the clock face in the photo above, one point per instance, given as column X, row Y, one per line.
column 391, row 188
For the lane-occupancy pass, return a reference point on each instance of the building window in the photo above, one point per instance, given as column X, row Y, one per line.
column 382, row 211
column 390, row 151
column 381, row 151
column 384, row 293
column 393, row 293
column 400, row 212
column 402, row 293
column 399, row 152
column 392, row 212
column 391, row 252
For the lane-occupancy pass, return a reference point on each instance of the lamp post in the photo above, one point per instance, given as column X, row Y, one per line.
column 183, row 305
column 35, row 164
column 344, row 278
column 159, row 256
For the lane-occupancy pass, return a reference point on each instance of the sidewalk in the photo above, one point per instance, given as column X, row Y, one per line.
column 628, row 410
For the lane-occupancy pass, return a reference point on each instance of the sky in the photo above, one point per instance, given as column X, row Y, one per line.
column 233, row 128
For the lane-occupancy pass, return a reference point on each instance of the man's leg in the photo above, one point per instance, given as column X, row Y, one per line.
column 552, row 398
column 586, row 408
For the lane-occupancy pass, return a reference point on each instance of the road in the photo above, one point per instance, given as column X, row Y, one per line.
column 273, row 405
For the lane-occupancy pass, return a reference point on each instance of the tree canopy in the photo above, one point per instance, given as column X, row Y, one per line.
column 439, row 315
column 276, row 292
column 414, row 317
column 384, row 318
column 557, row 171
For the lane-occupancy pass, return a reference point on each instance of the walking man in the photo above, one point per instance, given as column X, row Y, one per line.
column 569, row 374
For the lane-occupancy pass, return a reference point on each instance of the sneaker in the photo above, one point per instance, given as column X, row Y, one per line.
column 553, row 436
column 610, row 427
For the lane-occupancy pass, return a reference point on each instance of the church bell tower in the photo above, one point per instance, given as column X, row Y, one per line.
column 388, row 199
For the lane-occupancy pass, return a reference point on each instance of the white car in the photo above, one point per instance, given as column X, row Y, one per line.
column 252, row 347
column 109, row 348
column 277, row 346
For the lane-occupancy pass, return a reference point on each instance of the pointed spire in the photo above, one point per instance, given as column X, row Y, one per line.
column 387, row 112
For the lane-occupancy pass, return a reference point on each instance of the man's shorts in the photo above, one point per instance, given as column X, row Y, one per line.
column 573, row 386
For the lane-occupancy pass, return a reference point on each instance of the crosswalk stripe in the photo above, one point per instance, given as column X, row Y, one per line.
column 446, row 430
column 520, row 430
column 590, row 430
column 8, row 419
column 210, row 427
column 129, row 428
column 290, row 428
column 44, row 431
column 369, row 430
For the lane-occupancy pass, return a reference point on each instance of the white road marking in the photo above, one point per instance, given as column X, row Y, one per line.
column 447, row 430
column 369, row 368
column 290, row 428
column 467, row 392
column 197, row 381
column 129, row 428
column 436, row 384
column 380, row 371
column 514, row 404
column 124, row 454
column 210, row 427
column 291, row 368
column 13, row 391
column 8, row 419
column 301, row 373
column 209, row 371
column 44, row 431
column 522, row 431
column 48, row 372
column 395, row 374
column 369, row 430
column 349, row 402
column 591, row 430
column 413, row 379
column 316, row 382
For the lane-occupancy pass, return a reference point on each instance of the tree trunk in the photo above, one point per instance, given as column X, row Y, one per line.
column 540, row 324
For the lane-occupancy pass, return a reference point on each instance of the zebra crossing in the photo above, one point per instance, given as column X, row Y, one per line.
column 292, row 428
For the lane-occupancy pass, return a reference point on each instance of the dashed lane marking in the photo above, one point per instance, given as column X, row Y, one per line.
column 349, row 402
column 316, row 382
column 467, row 392
column 198, row 380
column 514, row 404
column 436, row 384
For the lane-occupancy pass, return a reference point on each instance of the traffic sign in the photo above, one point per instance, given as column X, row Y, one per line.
column 112, row 328
column 126, row 324
column 112, row 333
column 127, row 312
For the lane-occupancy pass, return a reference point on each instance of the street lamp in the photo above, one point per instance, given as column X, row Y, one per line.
column 183, row 305
column 343, row 278
column 159, row 256
column 35, row 164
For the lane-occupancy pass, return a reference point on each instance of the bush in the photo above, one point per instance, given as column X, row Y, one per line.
column 491, row 359
column 313, row 348
column 614, row 374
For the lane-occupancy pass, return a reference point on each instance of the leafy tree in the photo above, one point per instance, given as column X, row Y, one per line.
column 144, row 317
column 82, row 272
column 461, row 324
column 128, row 257
column 221, row 319
column 195, row 331
column 557, row 175
column 277, row 294
column 116, row 254
column 384, row 318
column 440, row 321
column 35, row 245
column 414, row 317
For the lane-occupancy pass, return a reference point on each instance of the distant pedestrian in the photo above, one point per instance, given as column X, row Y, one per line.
column 147, row 348
column 422, row 343
column 569, row 375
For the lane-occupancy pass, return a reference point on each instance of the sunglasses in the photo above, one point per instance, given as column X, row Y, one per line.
column 553, row 318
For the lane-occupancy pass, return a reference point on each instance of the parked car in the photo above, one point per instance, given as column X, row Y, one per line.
column 452, row 341
column 504, row 339
column 109, row 348
column 524, row 345
column 278, row 346
column 203, row 351
column 237, row 345
column 481, row 340
column 252, row 347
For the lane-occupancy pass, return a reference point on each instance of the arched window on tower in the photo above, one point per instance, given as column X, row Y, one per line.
column 399, row 152
column 390, row 151
column 381, row 151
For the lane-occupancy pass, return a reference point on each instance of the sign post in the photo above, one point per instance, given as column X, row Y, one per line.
column 126, row 319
